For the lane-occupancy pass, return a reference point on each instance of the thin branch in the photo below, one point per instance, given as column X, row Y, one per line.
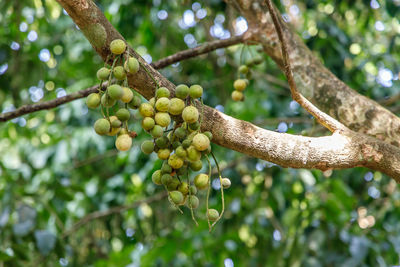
column 162, row 63
column 118, row 209
column 323, row 118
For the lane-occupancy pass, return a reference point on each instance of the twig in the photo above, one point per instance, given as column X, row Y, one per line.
column 323, row 118
column 162, row 63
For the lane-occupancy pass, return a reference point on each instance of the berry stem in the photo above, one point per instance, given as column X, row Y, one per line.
column 208, row 192
column 190, row 196
column 222, row 190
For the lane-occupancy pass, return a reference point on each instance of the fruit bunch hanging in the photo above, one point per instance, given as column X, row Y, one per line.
column 174, row 124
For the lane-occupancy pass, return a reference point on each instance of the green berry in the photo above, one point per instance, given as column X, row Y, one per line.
column 176, row 106
column 175, row 161
column 119, row 73
column 163, row 153
column 180, row 133
column 201, row 142
column 157, row 131
column 123, row 114
column 152, row 102
column 103, row 73
column 93, row 100
column 183, row 188
column 162, row 104
column 243, row 69
column 135, row 102
column 131, row 65
column 194, row 126
column 115, row 126
column 201, row 181
column 162, row 92
column 162, row 142
column 193, row 154
column 117, row 46
column 193, row 202
column 190, row 114
column 116, row 123
column 226, row 183
column 146, row 110
column 196, row 165
column 193, row 190
column 237, row 96
column 127, row 95
column 173, row 184
column 176, row 197
column 182, row 91
column 166, row 168
column 156, row 177
column 181, row 152
column 107, row 101
column 147, row 147
column 166, row 178
column 115, row 91
column 123, row 142
column 176, row 144
column 102, row 126
column 240, row 84
column 162, row 118
column 186, row 143
column 195, row 91
column 148, row 123
column 212, row 215
column 208, row 134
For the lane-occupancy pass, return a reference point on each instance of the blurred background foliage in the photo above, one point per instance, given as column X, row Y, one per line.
column 55, row 170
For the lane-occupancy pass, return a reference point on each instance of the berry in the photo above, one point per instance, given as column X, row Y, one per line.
column 208, row 134
column 181, row 152
column 166, row 178
column 152, row 101
column 123, row 114
column 157, row 131
column 186, row 143
column 146, row 110
column 212, row 215
column 193, row 154
column 194, row 126
column 176, row 106
column 162, row 92
column 123, row 142
column 201, row 142
column 107, row 101
column 163, row 153
column 173, row 184
column 176, row 197
column 201, row 181
column 127, row 95
column 193, row 202
column 226, row 183
column 103, row 73
column 166, row 168
column 237, row 96
column 243, row 69
column 162, row 104
column 115, row 91
column 193, row 190
column 131, row 65
column 180, row 133
column 147, row 147
column 175, row 161
column 102, row 126
column 119, row 73
column 183, row 188
column 176, row 144
column 162, row 118
column 93, row 100
column 181, row 91
column 135, row 102
column 117, row 46
column 195, row 91
column 240, row 84
column 156, row 177
column 114, row 122
column 190, row 114
column 148, row 123
column 162, row 142
column 196, row 165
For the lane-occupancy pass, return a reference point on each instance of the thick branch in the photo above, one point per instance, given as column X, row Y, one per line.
column 336, row 151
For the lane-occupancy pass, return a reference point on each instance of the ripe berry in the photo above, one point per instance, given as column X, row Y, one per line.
column 162, row 118
column 93, row 100
column 176, row 197
column 119, row 73
column 175, row 161
column 147, row 147
column 193, row 202
column 102, row 126
column 115, row 91
column 237, row 96
column 148, row 123
column 162, row 92
column 176, row 106
column 107, row 101
column 146, row 110
column 181, row 91
column 243, row 69
column 190, row 114
column 131, row 65
column 163, row 153
column 201, row 142
column 127, row 95
column 135, row 102
column 162, row 104
column 156, row 177
column 212, row 215
column 226, row 183
column 115, row 126
column 157, row 131
column 240, row 84
column 195, row 91
column 201, row 181
column 103, row 73
column 123, row 142
column 117, row 46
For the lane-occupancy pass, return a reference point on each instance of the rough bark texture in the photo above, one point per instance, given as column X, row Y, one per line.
column 337, row 151
column 316, row 82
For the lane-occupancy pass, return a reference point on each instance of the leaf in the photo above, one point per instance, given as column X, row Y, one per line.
column 45, row 241
column 26, row 220
column 4, row 216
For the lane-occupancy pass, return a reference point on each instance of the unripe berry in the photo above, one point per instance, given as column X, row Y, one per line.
column 115, row 91
column 148, row 123
column 162, row 104
column 131, row 65
column 175, row 162
column 157, row 131
column 176, row 106
column 195, row 91
column 127, row 95
column 162, row 118
column 176, row 144
column 135, row 102
column 193, row 190
column 201, row 142
column 243, row 69
column 123, row 142
column 102, row 126
column 193, row 202
column 156, row 177
column 114, row 122
column 173, row 184
column 119, row 73
column 240, row 84
column 166, row 179
column 237, row 96
column 93, row 100
column 117, row 46
column 146, row 110
column 162, row 142
column 196, row 165
column 226, row 183
column 152, row 102
column 181, row 152
column 201, row 181
column 163, row 153
column 107, row 101
column 193, row 154
column 165, row 168
column 194, row 126
column 186, row 143
column 212, row 215
column 208, row 134
column 190, row 114
column 180, row 133
column 162, row 92
column 103, row 73
column 183, row 188
column 182, row 91
column 147, row 147
column 123, row 114
column 176, row 197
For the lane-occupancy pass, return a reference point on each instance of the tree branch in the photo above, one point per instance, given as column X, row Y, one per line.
column 162, row 63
